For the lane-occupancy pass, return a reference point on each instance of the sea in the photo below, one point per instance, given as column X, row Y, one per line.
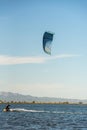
column 44, row 117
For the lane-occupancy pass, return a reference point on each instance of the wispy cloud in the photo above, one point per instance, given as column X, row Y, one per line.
column 9, row 60
column 12, row 60
column 64, row 56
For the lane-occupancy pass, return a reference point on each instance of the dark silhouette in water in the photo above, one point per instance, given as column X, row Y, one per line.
column 7, row 107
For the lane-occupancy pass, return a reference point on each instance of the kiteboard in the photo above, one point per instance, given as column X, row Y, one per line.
column 10, row 110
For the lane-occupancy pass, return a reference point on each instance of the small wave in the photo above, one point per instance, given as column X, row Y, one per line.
column 71, row 113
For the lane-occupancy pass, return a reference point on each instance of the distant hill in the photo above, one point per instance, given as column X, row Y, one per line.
column 8, row 97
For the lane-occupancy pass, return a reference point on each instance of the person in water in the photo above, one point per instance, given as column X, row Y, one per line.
column 7, row 107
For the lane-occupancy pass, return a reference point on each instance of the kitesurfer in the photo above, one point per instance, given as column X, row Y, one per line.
column 7, row 107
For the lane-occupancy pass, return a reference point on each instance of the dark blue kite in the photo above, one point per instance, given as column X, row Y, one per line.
column 47, row 41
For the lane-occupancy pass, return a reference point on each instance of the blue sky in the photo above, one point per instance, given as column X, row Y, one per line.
column 24, row 67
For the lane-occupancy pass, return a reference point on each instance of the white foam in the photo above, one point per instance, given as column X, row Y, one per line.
column 26, row 110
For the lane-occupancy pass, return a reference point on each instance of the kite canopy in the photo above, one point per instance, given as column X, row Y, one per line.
column 47, row 41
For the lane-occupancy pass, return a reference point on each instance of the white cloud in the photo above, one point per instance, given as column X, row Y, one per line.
column 66, row 56
column 12, row 60
column 63, row 56
column 9, row 60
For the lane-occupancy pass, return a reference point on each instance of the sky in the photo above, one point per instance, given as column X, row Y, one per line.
column 24, row 67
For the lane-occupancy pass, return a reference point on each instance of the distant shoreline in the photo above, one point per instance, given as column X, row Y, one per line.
column 33, row 102
column 16, row 98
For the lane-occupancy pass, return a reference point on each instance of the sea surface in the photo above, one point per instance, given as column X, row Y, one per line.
column 44, row 117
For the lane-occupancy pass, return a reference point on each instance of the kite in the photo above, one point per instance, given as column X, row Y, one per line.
column 47, row 41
